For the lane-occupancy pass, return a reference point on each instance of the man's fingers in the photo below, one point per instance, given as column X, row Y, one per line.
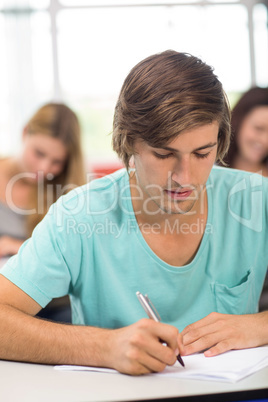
column 153, row 364
column 215, row 336
column 198, row 333
column 174, row 341
column 221, row 347
column 180, row 342
column 146, row 346
column 139, row 362
column 165, row 333
column 167, row 341
column 209, row 319
column 203, row 338
column 163, row 353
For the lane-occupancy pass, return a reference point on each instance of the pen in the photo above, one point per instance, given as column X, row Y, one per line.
column 152, row 313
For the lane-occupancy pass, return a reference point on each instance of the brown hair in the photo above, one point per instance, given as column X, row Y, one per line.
column 57, row 121
column 164, row 95
column 250, row 100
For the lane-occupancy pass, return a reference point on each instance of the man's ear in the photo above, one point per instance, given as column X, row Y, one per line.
column 24, row 132
column 132, row 162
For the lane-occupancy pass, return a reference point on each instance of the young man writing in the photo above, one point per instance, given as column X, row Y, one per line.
column 190, row 235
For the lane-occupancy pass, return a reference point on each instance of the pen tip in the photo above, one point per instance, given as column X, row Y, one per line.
column 180, row 360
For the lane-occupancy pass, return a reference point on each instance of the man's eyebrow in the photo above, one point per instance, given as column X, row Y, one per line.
column 209, row 145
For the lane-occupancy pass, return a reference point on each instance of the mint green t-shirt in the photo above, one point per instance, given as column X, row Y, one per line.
column 90, row 246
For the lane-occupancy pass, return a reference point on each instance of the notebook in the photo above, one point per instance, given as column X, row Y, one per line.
column 231, row 366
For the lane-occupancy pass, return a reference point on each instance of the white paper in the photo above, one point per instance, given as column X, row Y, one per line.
column 231, row 366
column 85, row 368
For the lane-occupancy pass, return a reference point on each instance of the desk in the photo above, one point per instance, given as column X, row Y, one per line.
column 41, row 383
column 33, row 382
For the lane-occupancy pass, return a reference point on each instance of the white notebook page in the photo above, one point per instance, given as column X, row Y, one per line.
column 231, row 366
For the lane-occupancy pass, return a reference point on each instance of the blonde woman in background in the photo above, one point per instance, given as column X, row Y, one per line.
column 49, row 165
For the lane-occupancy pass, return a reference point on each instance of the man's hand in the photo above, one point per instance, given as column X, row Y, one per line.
column 218, row 333
column 9, row 246
column 138, row 348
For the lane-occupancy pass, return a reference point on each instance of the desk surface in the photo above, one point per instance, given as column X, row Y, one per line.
column 34, row 382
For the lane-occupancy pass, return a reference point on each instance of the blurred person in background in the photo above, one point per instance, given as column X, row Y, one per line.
column 249, row 143
column 50, row 164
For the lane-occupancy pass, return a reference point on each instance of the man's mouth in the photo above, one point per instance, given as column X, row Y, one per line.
column 179, row 194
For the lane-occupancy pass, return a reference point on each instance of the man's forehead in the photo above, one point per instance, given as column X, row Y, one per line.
column 195, row 138
column 192, row 139
column 198, row 137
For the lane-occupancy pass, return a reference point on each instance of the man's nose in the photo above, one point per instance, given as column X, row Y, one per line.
column 181, row 172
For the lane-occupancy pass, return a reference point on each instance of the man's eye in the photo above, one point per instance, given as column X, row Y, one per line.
column 160, row 156
column 39, row 154
column 259, row 128
column 202, row 156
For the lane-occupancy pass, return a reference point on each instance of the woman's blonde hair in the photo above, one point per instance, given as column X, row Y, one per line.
column 164, row 95
column 58, row 121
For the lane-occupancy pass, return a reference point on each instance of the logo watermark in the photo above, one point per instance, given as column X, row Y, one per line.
column 130, row 226
column 244, row 202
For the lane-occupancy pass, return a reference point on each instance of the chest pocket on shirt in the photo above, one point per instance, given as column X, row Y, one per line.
column 239, row 299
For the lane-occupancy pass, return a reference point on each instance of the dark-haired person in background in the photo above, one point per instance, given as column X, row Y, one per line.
column 249, row 143
column 174, row 227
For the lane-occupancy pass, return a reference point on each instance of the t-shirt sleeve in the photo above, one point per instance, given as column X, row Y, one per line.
column 265, row 213
column 43, row 266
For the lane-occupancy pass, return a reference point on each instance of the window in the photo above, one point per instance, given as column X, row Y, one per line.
column 120, row 2
column 260, row 18
column 79, row 52
column 26, row 73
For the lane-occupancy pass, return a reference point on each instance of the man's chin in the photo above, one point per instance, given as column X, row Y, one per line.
column 178, row 208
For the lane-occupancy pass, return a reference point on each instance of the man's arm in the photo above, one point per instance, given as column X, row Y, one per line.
column 135, row 349
column 218, row 333
column 9, row 245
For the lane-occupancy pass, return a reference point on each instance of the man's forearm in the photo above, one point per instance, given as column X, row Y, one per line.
column 26, row 338
column 135, row 349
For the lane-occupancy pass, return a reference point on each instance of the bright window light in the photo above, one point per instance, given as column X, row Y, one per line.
column 101, row 45
column 26, row 74
column 97, row 42
column 35, row 4
column 260, row 15
column 120, row 2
